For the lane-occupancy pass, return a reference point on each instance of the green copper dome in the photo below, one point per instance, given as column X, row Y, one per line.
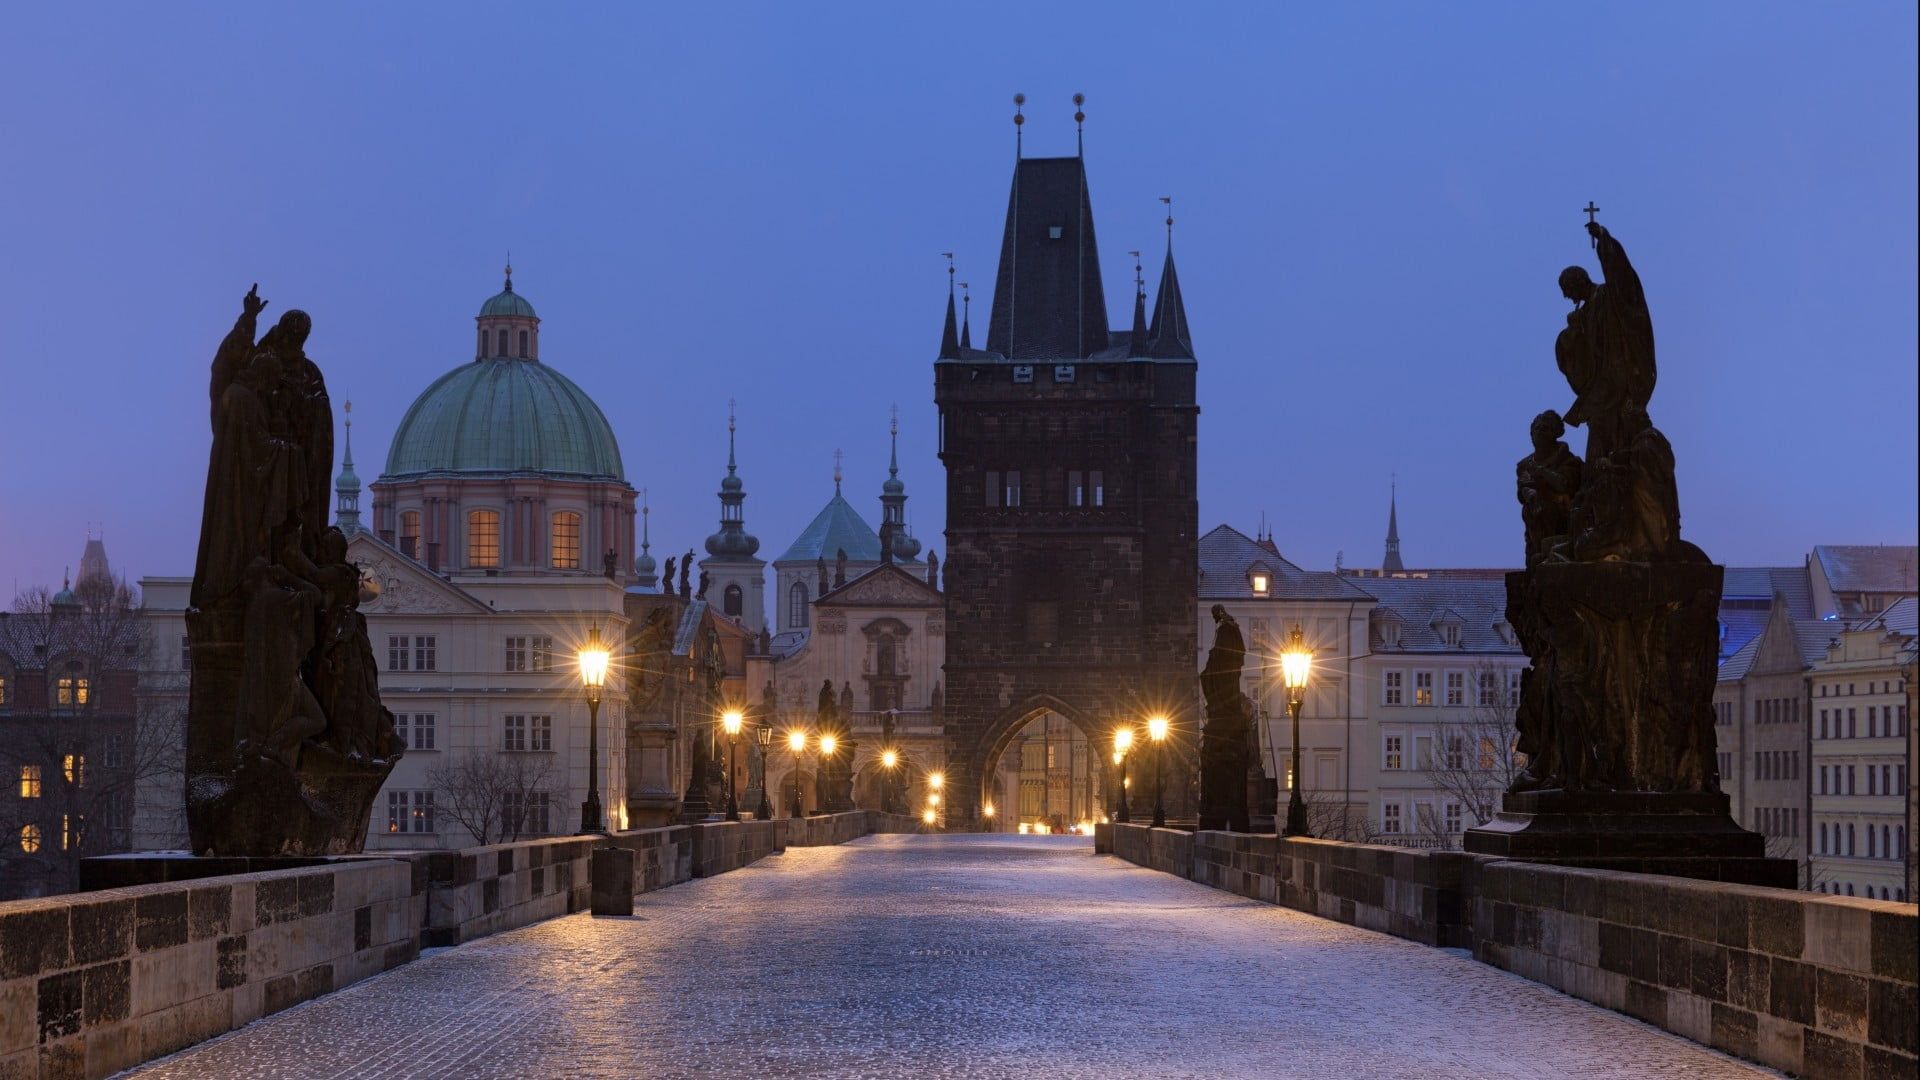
column 507, row 302
column 503, row 415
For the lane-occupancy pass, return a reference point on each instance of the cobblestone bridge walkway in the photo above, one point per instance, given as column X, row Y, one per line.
column 934, row 957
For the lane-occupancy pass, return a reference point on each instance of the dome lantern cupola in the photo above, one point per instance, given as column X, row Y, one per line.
column 508, row 327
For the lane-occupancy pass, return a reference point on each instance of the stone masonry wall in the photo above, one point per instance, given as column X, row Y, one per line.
column 93, row 983
column 1814, row 985
column 479, row 891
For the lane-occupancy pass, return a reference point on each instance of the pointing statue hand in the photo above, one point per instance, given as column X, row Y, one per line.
column 252, row 303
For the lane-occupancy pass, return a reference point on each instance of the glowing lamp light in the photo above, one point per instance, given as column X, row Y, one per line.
column 1122, row 741
column 935, row 780
column 986, row 810
column 889, row 758
column 827, row 743
column 1296, row 661
column 933, row 799
column 796, row 741
column 731, row 720
column 593, row 660
column 1157, row 729
column 927, row 815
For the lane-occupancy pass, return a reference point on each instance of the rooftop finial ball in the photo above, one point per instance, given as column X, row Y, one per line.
column 1079, row 99
column 1078, row 116
column 1019, row 99
column 1018, row 119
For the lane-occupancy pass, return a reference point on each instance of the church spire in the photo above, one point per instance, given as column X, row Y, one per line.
column 644, row 566
column 1171, row 340
column 966, row 318
column 949, row 334
column 895, row 541
column 1391, row 564
column 346, row 487
column 732, row 541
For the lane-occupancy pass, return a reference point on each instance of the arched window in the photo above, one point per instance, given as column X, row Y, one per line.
column 797, row 605
column 523, row 344
column 410, row 533
column 566, row 540
column 29, row 838
column 733, row 601
column 483, row 538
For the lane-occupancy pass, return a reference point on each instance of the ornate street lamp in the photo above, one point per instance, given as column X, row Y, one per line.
column 797, row 745
column 889, row 760
column 730, row 722
column 1296, row 664
column 764, row 812
column 1157, row 731
column 1122, row 742
column 593, row 676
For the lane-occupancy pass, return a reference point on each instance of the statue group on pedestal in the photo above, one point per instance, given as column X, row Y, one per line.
column 1227, row 755
column 1616, row 612
column 287, row 742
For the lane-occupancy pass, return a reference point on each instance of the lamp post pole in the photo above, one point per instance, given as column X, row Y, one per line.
column 1122, row 742
column 764, row 812
column 1296, row 664
column 796, row 745
column 593, row 676
column 1157, row 730
column 730, row 721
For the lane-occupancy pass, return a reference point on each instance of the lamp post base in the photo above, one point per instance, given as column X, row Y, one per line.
column 591, row 821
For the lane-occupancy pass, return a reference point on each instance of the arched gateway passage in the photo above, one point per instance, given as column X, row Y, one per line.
column 1045, row 762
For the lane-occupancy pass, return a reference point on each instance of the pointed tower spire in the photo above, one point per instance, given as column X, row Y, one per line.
column 895, row 541
column 949, row 334
column 644, row 567
column 1138, row 341
column 966, row 318
column 1391, row 563
column 1171, row 340
column 346, row 487
column 732, row 542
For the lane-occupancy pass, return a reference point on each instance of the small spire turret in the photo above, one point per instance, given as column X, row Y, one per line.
column 346, row 487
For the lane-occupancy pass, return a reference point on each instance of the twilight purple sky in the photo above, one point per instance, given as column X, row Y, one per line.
column 1373, row 201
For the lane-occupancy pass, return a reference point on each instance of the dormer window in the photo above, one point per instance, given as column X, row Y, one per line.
column 1447, row 624
column 1387, row 624
column 1260, row 580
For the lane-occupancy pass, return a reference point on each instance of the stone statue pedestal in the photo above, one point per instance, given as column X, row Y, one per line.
column 1682, row 834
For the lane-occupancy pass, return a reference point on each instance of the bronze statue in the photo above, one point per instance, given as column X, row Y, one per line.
column 1224, row 759
column 666, row 581
column 820, row 568
column 933, row 570
column 839, row 568
column 1606, row 351
column 610, row 564
column 1547, row 480
column 705, row 580
column 686, row 575
column 287, row 742
column 1616, row 612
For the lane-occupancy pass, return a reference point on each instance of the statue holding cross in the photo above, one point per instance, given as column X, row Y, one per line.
column 1606, row 351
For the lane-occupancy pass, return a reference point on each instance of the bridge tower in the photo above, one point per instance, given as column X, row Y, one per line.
column 1072, row 519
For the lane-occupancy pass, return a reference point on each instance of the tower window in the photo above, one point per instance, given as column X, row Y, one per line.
column 483, row 537
column 502, row 340
column 523, row 344
column 410, row 534
column 481, row 351
column 566, row 540
column 797, row 605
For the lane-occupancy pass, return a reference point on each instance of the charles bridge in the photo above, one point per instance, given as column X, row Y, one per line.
column 855, row 945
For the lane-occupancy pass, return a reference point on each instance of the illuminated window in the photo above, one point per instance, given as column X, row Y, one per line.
column 410, row 534
column 410, row 812
column 29, row 838
column 70, row 828
column 1391, row 751
column 566, row 540
column 3, row 689
column 29, row 781
column 1423, row 688
column 70, row 690
column 1488, row 750
column 483, row 537
column 75, row 768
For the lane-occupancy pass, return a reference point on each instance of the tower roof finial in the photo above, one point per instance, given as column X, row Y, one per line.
column 509, row 287
column 893, row 451
column 949, row 334
column 1079, row 124
column 730, row 427
column 1019, row 123
column 836, row 471
column 1168, row 199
